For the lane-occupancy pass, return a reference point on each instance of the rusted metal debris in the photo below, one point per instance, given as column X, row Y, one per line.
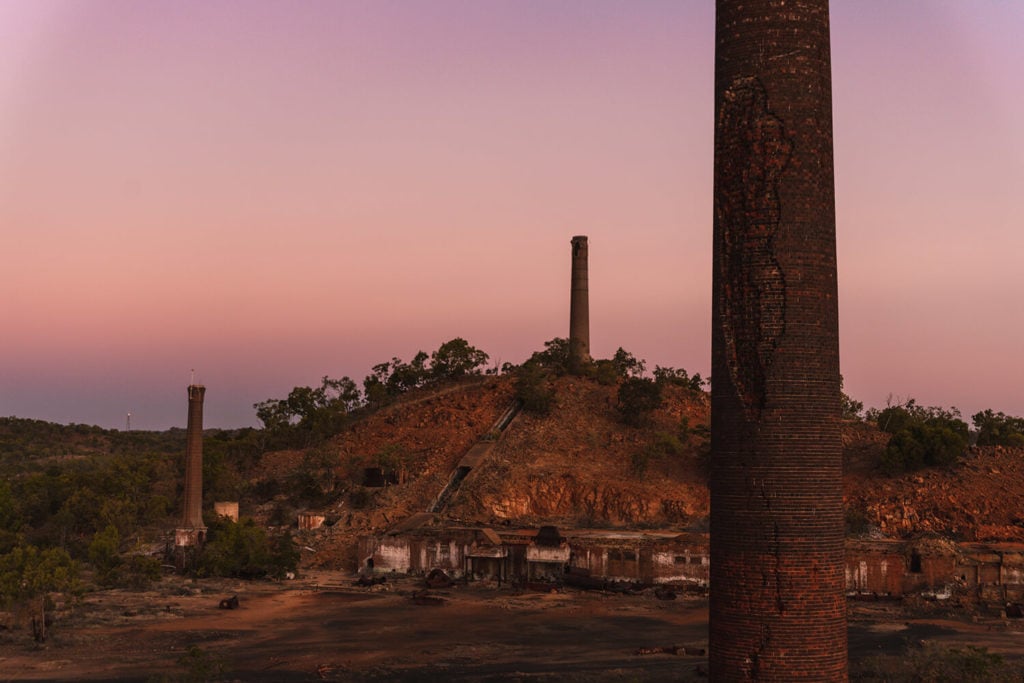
column 229, row 603
column 438, row 579
column 664, row 593
column 425, row 598
column 367, row 581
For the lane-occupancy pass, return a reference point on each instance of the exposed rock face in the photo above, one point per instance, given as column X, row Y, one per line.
column 580, row 465
column 566, row 497
column 979, row 499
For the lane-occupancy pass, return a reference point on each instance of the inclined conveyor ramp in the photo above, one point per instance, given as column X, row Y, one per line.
column 474, row 456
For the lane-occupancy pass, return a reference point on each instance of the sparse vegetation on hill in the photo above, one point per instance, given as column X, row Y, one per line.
column 921, row 437
column 610, row 447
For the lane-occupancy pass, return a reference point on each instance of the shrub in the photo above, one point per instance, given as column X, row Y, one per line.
column 922, row 444
column 998, row 429
column 637, row 399
column 533, row 388
column 241, row 549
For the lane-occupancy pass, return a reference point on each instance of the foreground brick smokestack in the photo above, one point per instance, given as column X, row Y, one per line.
column 579, row 308
column 778, row 612
column 192, row 527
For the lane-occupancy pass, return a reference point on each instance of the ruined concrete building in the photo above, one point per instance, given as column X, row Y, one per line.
column 579, row 307
column 192, row 531
column 872, row 569
column 777, row 607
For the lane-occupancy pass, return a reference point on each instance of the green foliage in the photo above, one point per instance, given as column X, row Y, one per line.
column 242, row 550
column 664, row 445
column 28, row 575
column 850, row 409
column 627, row 364
column 998, row 429
column 315, row 479
column 10, row 518
column 391, row 379
column 554, row 357
column 637, row 399
column 308, row 414
column 105, row 555
column 894, row 419
column 934, row 663
column 605, row 372
column 678, row 377
column 139, row 571
column 921, row 437
column 393, row 459
column 857, row 522
column 456, row 359
column 28, row 572
column 533, row 388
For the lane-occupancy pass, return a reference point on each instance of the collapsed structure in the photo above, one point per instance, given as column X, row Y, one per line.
column 872, row 569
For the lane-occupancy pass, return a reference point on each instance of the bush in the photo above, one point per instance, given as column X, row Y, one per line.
column 533, row 388
column 637, row 399
column 455, row 359
column 105, row 556
column 998, row 429
column 921, row 437
column 241, row 550
column 554, row 357
column 922, row 445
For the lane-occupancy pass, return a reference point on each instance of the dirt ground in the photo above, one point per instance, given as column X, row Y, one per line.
column 323, row 627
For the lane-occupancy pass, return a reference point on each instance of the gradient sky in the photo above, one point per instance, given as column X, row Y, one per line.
column 270, row 192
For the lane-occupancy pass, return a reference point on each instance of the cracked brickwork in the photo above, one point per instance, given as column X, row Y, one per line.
column 778, row 609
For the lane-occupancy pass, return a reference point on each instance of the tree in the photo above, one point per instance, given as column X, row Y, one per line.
column 554, row 357
column 678, row 377
column 241, row 549
column 28, row 575
column 627, row 364
column 851, row 409
column 637, row 399
column 455, row 359
column 310, row 414
column 533, row 388
column 921, row 436
column 105, row 555
column 998, row 429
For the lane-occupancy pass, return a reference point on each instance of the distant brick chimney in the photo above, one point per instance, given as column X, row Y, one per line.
column 777, row 603
column 193, row 530
column 579, row 308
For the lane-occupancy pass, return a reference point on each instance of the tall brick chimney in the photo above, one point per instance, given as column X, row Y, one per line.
column 192, row 529
column 579, row 308
column 777, row 608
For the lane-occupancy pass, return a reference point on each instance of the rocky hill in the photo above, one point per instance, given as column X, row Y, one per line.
column 580, row 466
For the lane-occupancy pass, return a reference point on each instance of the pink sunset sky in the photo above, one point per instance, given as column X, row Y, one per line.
column 270, row 192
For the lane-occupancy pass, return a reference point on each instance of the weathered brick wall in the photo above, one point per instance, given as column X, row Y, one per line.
column 778, row 610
